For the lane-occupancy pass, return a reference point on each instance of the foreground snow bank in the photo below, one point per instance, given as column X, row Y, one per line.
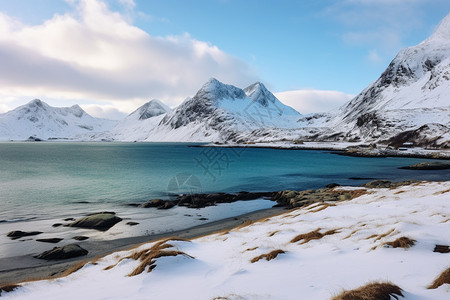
column 309, row 253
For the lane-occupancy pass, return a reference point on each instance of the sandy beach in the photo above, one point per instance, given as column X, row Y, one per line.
column 27, row 268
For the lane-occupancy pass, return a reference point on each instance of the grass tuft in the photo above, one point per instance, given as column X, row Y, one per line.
column 268, row 256
column 372, row 291
column 148, row 256
column 8, row 288
column 313, row 235
column 402, row 242
column 443, row 278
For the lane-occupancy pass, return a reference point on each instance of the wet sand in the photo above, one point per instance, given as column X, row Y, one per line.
column 27, row 268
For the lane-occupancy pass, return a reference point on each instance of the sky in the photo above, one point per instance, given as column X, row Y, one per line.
column 111, row 56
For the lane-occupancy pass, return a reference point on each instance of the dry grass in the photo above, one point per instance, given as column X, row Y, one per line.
column 322, row 206
column 441, row 192
column 149, row 256
column 313, row 235
column 351, row 233
column 372, row 291
column 402, row 242
column 273, row 233
column 8, row 288
column 444, row 278
column 251, row 249
column 268, row 256
column 399, row 192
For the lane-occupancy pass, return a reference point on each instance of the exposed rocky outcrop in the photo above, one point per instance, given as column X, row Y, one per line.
column 68, row 251
column 100, row 221
column 17, row 234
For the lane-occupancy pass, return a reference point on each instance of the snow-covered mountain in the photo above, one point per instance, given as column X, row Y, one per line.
column 411, row 95
column 39, row 120
column 217, row 113
column 413, row 91
column 138, row 125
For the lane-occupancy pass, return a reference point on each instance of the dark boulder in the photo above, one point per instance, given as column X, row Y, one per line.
column 68, row 251
column 80, row 237
column 100, row 221
column 17, row 234
column 51, row 240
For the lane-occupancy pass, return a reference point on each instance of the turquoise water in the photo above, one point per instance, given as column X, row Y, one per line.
column 46, row 180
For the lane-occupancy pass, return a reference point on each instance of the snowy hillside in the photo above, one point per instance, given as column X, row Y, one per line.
column 217, row 113
column 138, row 125
column 413, row 91
column 313, row 252
column 39, row 120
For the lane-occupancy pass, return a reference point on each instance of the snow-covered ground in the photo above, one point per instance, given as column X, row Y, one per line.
column 352, row 254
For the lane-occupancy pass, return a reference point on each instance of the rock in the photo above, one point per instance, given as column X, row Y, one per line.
column 442, row 249
column 69, row 219
column 100, row 221
column 51, row 240
column 132, row 223
column 18, row 234
column 203, row 219
column 68, row 251
column 57, row 225
column 203, row 200
column 332, row 185
column 167, row 205
column 387, row 184
column 80, row 237
column 377, row 184
column 153, row 203
column 428, row 166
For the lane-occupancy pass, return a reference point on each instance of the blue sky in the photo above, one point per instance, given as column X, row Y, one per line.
column 335, row 46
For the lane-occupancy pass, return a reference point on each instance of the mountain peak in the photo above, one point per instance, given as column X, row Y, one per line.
column 215, row 90
column 259, row 93
column 150, row 109
column 442, row 31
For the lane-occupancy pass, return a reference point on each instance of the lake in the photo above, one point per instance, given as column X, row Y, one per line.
column 43, row 183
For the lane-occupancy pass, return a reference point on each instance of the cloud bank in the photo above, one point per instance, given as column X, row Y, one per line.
column 93, row 54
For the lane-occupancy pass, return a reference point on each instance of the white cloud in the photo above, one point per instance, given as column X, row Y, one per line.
column 96, row 54
column 313, row 101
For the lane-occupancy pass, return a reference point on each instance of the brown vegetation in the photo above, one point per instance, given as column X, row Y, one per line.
column 268, row 256
column 371, row 291
column 402, row 242
column 441, row 279
column 313, row 235
column 322, row 206
column 8, row 288
column 148, row 256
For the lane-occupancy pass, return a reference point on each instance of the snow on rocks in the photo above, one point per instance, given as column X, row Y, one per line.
column 343, row 247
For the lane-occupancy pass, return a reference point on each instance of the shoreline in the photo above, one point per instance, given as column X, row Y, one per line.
column 345, row 150
column 26, row 268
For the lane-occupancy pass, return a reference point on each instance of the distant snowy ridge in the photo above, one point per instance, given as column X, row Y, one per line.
column 39, row 120
column 218, row 112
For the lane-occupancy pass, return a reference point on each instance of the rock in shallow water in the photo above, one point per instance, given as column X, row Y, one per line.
column 51, row 240
column 428, row 166
column 100, row 221
column 17, row 234
column 68, row 251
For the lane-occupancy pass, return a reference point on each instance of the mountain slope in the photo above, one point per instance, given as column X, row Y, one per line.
column 411, row 96
column 413, row 91
column 42, row 121
column 137, row 125
column 219, row 111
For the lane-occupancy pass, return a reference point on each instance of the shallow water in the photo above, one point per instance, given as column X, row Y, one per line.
column 41, row 183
